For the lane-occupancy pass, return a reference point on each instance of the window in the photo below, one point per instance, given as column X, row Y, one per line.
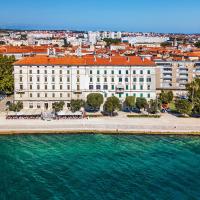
column 98, row 72
column 45, row 87
column 141, row 79
column 105, row 71
column 120, row 79
column 30, row 105
column 134, row 72
column 120, row 95
column 61, row 87
column 30, row 71
column 148, row 80
column 78, row 79
column 68, row 72
column 53, row 79
column 45, row 78
column 78, row 87
column 149, row 96
column 141, row 87
column 20, row 71
column 61, row 95
column 98, row 80
column 148, row 87
column 126, row 87
column 112, row 87
column 134, row 94
column 45, row 71
column 53, row 71
column 91, row 87
column 30, row 78
column 20, row 79
column 141, row 95
column 126, row 94
column 60, row 71
column 38, row 105
column 78, row 72
column 148, row 72
column 134, row 79
column 31, row 87
column 31, row 95
column 38, row 87
column 120, row 72
column 113, row 79
column 112, row 72
column 141, row 71
column 105, row 80
column 98, row 87
column 46, row 95
column 61, row 79
column 68, row 87
column 38, row 79
column 68, row 79
column 38, row 95
column 134, row 87
column 68, row 95
column 21, row 87
column 91, row 80
column 126, row 79
column 53, row 95
column 53, row 87
column 38, row 71
column 90, row 71
column 105, row 87
column 126, row 71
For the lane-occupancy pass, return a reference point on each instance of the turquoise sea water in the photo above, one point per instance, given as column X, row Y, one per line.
column 99, row 167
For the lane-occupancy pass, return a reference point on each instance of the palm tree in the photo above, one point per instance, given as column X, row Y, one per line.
column 193, row 87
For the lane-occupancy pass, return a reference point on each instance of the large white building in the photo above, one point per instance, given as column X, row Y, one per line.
column 42, row 80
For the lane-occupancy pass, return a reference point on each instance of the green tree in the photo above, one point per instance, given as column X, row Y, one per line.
column 6, row 74
column 166, row 97
column 197, row 44
column 183, row 106
column 16, row 107
column 153, row 106
column 95, row 100
column 110, row 41
column 77, row 104
column 193, row 89
column 58, row 106
column 111, row 104
column 141, row 103
column 166, row 44
column 130, row 102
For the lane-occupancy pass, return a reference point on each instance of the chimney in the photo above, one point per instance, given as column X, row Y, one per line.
column 95, row 58
column 110, row 59
column 128, row 59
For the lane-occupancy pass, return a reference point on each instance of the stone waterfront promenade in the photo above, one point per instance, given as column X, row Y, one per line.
column 167, row 124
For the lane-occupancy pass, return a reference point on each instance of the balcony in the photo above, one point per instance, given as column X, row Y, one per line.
column 120, row 89
column 77, row 92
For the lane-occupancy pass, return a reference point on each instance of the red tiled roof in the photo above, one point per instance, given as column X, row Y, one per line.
column 86, row 60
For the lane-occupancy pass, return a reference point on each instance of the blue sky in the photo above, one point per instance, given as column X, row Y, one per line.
column 128, row 15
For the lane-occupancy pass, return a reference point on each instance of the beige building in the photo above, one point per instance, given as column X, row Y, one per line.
column 174, row 75
column 43, row 80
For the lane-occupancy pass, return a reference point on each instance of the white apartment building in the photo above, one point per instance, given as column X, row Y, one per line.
column 43, row 80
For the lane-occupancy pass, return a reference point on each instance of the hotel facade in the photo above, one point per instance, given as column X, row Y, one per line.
column 43, row 80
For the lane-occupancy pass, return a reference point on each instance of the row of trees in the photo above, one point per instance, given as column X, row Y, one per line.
column 190, row 105
column 112, row 104
column 6, row 76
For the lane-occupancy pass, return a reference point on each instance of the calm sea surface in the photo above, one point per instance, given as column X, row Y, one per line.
column 99, row 167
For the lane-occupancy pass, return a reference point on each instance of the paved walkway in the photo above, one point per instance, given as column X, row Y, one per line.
column 166, row 124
